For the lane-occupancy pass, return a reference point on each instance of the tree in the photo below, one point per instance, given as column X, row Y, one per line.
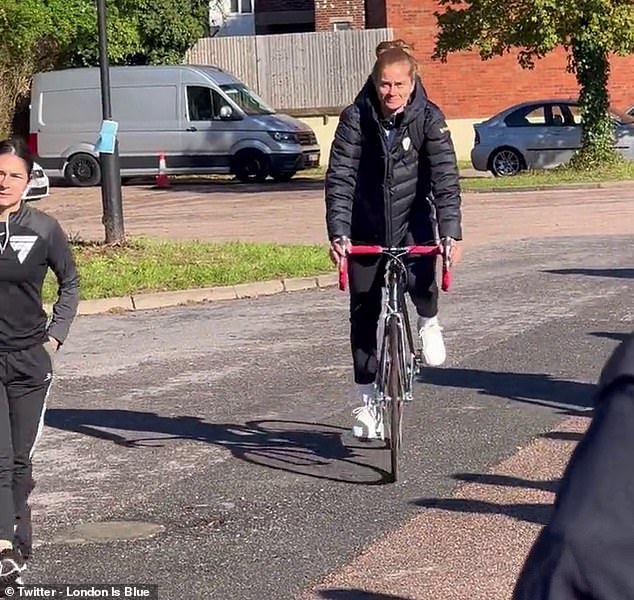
column 140, row 32
column 44, row 34
column 77, row 40
column 23, row 26
column 169, row 29
column 589, row 30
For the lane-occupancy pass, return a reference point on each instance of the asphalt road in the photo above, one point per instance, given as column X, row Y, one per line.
column 227, row 424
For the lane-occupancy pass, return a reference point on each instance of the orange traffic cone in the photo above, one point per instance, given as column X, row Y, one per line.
column 162, row 180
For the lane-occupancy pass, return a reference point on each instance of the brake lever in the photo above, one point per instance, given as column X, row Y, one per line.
column 447, row 245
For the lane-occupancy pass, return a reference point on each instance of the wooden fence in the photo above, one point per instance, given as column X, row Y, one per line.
column 298, row 73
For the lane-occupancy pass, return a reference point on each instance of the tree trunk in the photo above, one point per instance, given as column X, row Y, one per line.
column 592, row 68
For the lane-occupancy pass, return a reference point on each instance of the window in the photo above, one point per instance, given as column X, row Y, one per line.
column 527, row 117
column 247, row 99
column 203, row 103
column 576, row 114
column 558, row 117
column 241, row 7
column 342, row 25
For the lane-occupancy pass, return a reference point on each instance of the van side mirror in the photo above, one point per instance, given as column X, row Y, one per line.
column 226, row 112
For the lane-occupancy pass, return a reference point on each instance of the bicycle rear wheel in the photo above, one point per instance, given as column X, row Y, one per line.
column 394, row 392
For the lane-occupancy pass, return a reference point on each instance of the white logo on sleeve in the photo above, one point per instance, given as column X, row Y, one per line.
column 22, row 245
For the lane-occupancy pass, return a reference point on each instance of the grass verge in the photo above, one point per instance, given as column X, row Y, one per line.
column 551, row 178
column 150, row 266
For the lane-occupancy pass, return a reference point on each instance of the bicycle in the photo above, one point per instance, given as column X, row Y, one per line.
column 398, row 361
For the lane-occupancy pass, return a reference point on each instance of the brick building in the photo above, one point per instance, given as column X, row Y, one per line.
column 465, row 86
column 284, row 16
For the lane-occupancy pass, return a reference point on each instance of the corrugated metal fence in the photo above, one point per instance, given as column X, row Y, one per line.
column 299, row 72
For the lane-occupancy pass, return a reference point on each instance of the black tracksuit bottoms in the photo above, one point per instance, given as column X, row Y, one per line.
column 366, row 276
column 25, row 379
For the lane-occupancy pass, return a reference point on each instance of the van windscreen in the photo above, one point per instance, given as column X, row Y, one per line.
column 247, row 99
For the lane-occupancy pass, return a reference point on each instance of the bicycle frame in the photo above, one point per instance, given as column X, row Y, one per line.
column 395, row 306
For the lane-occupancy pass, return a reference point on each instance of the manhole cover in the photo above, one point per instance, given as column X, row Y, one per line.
column 108, row 531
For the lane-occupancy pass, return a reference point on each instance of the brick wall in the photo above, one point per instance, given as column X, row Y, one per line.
column 328, row 11
column 466, row 87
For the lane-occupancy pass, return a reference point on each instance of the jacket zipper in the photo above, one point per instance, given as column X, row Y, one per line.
column 387, row 205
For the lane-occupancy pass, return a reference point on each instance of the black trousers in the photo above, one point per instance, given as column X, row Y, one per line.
column 25, row 379
column 366, row 275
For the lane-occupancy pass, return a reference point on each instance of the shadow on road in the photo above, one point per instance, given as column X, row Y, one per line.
column 507, row 481
column 565, row 436
column 229, row 186
column 311, row 449
column 532, row 388
column 531, row 513
column 611, row 335
column 341, row 594
column 618, row 273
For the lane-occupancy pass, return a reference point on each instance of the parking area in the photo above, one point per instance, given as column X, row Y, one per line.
column 294, row 212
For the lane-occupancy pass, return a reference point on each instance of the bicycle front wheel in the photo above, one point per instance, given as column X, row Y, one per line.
column 394, row 393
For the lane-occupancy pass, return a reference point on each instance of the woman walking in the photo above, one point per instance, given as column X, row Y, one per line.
column 31, row 242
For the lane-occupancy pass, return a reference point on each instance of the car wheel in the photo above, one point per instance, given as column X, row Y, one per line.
column 82, row 170
column 251, row 166
column 506, row 162
column 283, row 175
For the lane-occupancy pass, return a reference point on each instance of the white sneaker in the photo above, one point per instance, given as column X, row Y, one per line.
column 430, row 333
column 368, row 424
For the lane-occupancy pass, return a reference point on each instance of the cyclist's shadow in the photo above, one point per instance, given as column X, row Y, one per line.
column 311, row 449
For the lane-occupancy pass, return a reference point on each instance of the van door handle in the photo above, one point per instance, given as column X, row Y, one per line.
column 191, row 129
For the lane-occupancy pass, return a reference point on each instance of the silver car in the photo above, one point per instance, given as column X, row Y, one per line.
column 39, row 185
column 542, row 134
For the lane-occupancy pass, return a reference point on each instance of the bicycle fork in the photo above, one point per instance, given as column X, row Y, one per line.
column 397, row 309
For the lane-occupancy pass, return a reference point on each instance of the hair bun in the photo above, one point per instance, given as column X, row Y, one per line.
column 394, row 44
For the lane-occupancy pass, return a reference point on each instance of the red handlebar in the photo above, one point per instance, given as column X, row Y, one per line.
column 343, row 273
column 412, row 250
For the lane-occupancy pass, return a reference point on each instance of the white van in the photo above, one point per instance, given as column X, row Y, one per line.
column 201, row 117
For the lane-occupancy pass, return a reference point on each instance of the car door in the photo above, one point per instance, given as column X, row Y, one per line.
column 207, row 139
column 528, row 131
column 563, row 137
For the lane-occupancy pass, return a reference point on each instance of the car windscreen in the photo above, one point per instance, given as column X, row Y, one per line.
column 247, row 100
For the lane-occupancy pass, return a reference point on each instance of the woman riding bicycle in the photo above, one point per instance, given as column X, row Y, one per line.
column 392, row 166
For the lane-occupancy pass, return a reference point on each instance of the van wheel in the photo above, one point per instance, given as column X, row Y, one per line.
column 82, row 170
column 283, row 175
column 251, row 166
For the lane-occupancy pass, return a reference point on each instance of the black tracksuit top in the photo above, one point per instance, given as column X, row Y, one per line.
column 31, row 242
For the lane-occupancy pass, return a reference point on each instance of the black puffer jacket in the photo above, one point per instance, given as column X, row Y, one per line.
column 380, row 195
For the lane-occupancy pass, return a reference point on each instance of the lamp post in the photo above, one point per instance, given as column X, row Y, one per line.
column 109, row 161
